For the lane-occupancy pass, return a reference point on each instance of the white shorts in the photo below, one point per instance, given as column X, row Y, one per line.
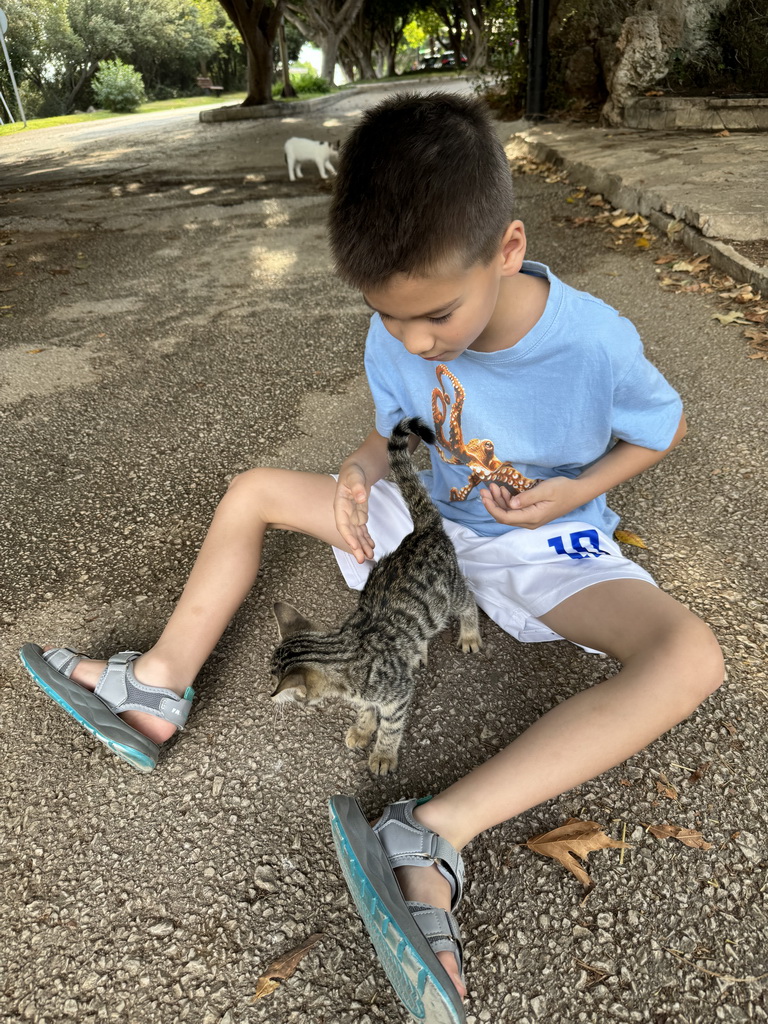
column 516, row 576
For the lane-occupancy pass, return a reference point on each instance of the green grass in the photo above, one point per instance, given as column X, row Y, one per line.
column 145, row 108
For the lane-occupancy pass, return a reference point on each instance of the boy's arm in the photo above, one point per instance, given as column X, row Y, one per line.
column 357, row 475
column 559, row 495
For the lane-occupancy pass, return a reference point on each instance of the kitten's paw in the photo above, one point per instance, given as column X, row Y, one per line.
column 358, row 737
column 471, row 643
column 382, row 764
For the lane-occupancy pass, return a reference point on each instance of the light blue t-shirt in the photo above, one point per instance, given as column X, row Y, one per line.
column 549, row 406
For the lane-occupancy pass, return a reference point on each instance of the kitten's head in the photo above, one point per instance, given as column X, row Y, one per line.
column 305, row 682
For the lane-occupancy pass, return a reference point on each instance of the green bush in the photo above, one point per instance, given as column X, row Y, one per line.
column 118, row 86
column 310, row 81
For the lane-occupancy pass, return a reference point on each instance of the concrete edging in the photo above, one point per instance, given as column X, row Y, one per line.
column 696, row 113
column 286, row 109
column 636, row 200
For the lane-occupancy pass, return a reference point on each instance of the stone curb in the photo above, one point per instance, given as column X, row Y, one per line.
column 644, row 202
column 283, row 109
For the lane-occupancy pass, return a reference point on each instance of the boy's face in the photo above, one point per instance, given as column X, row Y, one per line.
column 439, row 316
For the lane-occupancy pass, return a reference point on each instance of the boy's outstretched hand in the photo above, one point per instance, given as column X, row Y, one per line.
column 350, row 509
column 548, row 500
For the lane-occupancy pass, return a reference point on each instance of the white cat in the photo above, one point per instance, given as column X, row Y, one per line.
column 297, row 150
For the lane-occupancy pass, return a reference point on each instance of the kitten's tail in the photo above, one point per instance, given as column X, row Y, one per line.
column 420, row 505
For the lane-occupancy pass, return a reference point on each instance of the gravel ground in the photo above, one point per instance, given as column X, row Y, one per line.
column 163, row 335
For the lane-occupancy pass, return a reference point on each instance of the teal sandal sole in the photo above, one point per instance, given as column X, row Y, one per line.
column 137, row 759
column 417, row 976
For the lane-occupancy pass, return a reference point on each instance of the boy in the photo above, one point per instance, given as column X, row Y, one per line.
column 528, row 383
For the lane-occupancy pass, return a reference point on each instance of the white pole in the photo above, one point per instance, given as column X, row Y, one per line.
column 7, row 108
column 3, row 27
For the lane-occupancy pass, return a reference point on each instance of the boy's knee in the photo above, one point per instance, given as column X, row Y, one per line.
column 248, row 480
column 251, row 489
column 701, row 656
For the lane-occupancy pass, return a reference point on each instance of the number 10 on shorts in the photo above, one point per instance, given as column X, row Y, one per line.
column 577, row 545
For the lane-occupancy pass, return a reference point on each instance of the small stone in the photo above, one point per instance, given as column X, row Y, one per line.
column 218, row 784
column 539, row 1005
column 605, row 920
column 161, row 929
column 264, row 878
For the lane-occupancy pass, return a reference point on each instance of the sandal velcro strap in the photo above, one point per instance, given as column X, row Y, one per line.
column 63, row 659
column 119, row 688
column 407, row 842
column 439, row 929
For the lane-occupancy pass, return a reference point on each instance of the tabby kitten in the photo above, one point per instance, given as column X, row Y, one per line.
column 410, row 596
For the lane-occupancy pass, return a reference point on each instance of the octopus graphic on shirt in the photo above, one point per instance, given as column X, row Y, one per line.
column 478, row 455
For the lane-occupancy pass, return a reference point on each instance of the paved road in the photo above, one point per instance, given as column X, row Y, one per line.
column 169, row 326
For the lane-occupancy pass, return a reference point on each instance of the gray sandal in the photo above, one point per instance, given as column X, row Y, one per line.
column 406, row 935
column 117, row 690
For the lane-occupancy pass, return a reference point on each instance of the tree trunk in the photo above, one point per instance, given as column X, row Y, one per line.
column 257, row 22
column 87, row 73
column 330, row 53
column 321, row 21
column 259, row 72
column 473, row 15
column 288, row 89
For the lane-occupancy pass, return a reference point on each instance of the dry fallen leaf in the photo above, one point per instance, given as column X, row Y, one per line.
column 642, row 242
column 723, row 134
column 283, row 967
column 575, row 839
column 668, row 791
column 688, row 836
column 625, row 537
column 696, row 775
column 734, row 317
column 665, row 787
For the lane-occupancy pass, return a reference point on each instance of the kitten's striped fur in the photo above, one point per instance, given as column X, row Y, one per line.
column 409, row 597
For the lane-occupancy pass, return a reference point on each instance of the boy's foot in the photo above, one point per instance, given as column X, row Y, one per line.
column 417, row 941
column 126, row 713
column 427, row 885
column 88, row 671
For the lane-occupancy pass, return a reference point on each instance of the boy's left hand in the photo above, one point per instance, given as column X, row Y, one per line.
column 548, row 500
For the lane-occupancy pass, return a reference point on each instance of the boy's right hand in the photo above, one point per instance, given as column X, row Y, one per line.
column 350, row 509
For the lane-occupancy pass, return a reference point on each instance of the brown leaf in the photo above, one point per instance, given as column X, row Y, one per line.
column 642, row 242
column 625, row 537
column 733, row 317
column 655, row 92
column 723, row 134
column 665, row 787
column 282, row 968
column 695, row 776
column 575, row 839
column 688, row 836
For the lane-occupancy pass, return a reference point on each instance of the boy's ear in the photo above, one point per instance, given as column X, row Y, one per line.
column 513, row 245
column 289, row 621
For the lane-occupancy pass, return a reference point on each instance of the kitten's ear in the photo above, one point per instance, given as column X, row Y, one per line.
column 294, row 686
column 289, row 621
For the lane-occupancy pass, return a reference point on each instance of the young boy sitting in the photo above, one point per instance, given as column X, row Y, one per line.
column 542, row 400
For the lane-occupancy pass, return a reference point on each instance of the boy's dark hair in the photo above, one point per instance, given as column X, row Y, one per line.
column 422, row 181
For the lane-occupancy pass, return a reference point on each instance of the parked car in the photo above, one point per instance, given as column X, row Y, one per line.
column 448, row 59
column 431, row 63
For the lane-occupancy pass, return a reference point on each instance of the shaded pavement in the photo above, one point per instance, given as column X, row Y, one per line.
column 169, row 320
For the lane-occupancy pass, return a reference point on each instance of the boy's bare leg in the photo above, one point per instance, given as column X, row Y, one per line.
column 223, row 574
column 671, row 662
